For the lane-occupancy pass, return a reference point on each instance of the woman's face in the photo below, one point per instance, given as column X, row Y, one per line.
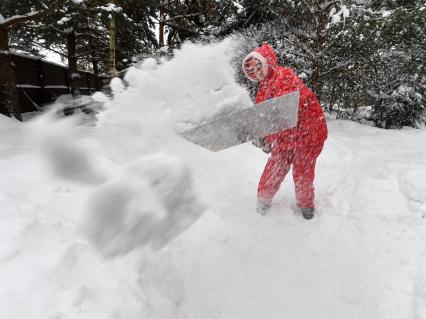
column 254, row 69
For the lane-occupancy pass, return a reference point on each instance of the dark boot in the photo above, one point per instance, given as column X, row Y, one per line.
column 308, row 212
column 263, row 207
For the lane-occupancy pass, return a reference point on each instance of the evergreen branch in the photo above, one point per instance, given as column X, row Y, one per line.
column 63, row 54
column 90, row 51
column 56, row 29
column 47, row 48
column 181, row 28
column 249, row 18
column 309, row 8
column 323, row 7
column 183, row 16
column 91, row 36
column 338, row 66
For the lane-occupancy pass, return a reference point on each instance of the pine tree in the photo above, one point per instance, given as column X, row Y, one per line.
column 401, row 89
column 353, row 54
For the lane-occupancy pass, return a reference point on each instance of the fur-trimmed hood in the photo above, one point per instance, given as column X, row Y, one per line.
column 266, row 55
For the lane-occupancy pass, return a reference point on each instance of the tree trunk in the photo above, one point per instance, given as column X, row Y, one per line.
column 72, row 65
column 96, row 73
column 321, row 18
column 112, row 36
column 161, row 28
column 8, row 93
column 95, row 65
column 73, row 75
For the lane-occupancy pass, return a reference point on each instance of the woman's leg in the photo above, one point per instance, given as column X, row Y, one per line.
column 303, row 175
column 273, row 175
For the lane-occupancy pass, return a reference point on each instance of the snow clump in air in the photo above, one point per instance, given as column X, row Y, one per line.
column 134, row 160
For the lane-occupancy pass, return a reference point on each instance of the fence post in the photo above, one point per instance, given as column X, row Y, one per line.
column 67, row 82
column 41, row 79
column 88, row 82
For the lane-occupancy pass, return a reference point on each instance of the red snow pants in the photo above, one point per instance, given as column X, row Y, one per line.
column 277, row 167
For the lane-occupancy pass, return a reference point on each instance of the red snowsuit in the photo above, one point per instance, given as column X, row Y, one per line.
column 299, row 146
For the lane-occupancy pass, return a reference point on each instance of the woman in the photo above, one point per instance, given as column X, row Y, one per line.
column 299, row 146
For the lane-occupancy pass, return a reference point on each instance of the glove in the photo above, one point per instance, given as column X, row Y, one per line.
column 263, row 145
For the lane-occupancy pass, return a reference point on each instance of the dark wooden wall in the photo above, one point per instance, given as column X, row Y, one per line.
column 41, row 82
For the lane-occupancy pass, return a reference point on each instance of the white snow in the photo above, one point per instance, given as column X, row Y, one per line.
column 345, row 12
column 336, row 17
column 240, row 8
column 111, row 7
column 28, row 86
column 124, row 219
column 386, row 13
column 64, row 20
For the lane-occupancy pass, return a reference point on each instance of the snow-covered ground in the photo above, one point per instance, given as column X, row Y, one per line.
column 124, row 219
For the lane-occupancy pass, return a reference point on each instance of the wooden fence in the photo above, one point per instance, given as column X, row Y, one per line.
column 40, row 82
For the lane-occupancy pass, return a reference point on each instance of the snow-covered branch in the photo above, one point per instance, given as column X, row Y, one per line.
column 111, row 7
column 43, row 4
column 16, row 18
column 31, row 16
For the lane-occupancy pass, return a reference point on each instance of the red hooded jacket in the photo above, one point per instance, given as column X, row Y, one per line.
column 311, row 129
